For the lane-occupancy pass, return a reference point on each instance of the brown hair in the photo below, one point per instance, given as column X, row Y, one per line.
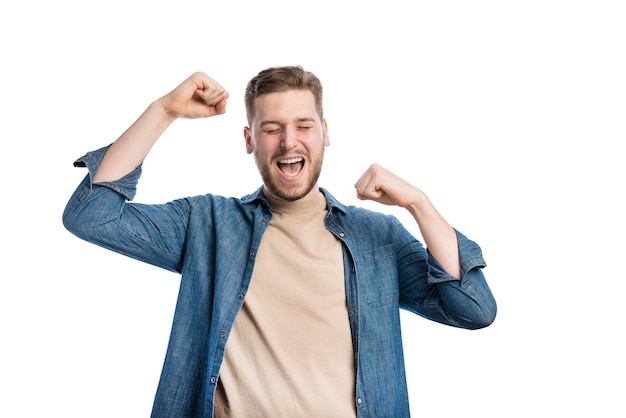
column 278, row 79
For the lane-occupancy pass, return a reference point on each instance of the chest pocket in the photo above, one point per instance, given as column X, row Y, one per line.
column 377, row 275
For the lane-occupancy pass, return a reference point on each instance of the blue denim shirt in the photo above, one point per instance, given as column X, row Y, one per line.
column 212, row 241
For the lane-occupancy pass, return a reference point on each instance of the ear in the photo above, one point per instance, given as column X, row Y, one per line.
column 248, row 137
column 325, row 128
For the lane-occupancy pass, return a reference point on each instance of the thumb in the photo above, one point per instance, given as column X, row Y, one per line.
column 220, row 107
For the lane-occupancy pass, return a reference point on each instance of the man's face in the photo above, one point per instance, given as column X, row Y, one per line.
column 287, row 138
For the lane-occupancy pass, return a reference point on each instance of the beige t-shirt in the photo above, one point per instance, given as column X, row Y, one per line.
column 290, row 352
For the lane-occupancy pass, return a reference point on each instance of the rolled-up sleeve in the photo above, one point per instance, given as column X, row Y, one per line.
column 466, row 303
column 101, row 214
column 126, row 186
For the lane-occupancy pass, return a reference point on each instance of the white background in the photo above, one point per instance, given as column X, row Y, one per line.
column 510, row 115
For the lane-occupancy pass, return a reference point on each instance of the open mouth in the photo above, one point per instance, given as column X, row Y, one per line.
column 291, row 167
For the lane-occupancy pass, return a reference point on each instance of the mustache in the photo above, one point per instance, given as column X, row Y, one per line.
column 286, row 154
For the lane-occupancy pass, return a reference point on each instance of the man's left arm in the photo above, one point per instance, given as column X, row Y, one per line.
column 462, row 297
column 382, row 186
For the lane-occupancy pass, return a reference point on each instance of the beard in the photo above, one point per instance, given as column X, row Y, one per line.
column 289, row 194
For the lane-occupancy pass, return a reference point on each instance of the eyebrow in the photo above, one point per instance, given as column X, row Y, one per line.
column 274, row 122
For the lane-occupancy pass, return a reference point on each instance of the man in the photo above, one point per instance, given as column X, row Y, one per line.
column 289, row 301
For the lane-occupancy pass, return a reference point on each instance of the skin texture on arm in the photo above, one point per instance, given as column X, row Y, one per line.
column 198, row 96
column 380, row 185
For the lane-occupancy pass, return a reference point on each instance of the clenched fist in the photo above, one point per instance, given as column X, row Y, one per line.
column 382, row 186
column 199, row 96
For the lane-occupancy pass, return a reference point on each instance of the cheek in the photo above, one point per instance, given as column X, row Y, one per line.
column 260, row 153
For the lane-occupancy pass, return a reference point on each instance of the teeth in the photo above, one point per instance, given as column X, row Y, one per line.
column 290, row 160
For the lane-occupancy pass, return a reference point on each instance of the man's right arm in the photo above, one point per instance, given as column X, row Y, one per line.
column 199, row 96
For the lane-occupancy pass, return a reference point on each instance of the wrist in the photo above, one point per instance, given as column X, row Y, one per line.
column 165, row 105
column 418, row 203
column 160, row 112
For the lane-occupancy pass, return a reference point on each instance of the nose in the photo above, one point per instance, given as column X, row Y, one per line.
column 289, row 138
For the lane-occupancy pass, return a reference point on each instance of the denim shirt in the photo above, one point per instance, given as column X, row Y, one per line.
column 212, row 241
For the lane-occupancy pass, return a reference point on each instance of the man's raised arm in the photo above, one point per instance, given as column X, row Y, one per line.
column 382, row 186
column 199, row 96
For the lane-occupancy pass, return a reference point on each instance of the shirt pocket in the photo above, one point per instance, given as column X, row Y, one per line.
column 377, row 275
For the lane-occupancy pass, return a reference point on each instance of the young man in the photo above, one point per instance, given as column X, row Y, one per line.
column 289, row 301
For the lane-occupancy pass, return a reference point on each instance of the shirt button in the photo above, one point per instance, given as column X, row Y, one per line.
column 239, row 295
column 223, row 335
column 359, row 401
column 212, row 379
column 341, row 234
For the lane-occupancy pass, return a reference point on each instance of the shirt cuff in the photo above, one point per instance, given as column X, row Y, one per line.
column 126, row 186
column 470, row 257
column 470, row 254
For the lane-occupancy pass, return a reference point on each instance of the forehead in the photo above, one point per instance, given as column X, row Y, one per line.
column 285, row 105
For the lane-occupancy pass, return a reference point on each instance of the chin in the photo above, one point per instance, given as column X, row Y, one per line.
column 290, row 194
